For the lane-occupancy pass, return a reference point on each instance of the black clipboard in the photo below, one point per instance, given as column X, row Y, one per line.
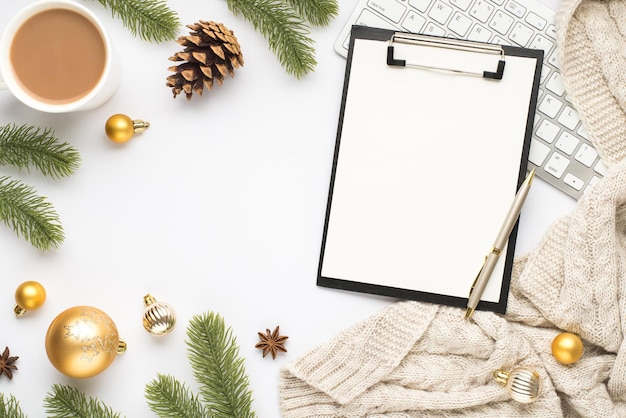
column 432, row 145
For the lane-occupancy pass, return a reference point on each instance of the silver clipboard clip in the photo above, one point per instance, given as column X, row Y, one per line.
column 425, row 40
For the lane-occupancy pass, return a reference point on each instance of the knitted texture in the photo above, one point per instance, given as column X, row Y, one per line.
column 416, row 359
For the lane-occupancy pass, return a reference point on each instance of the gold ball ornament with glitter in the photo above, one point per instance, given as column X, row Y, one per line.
column 159, row 318
column 82, row 342
column 121, row 128
column 29, row 296
column 567, row 348
column 523, row 383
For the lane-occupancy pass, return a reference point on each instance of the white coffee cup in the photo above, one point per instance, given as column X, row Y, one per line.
column 94, row 94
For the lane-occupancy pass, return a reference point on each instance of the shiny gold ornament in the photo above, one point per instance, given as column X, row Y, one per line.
column 159, row 318
column 120, row 128
column 523, row 383
column 29, row 296
column 82, row 342
column 567, row 348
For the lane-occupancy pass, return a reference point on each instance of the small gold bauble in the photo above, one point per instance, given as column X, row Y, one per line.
column 120, row 128
column 567, row 348
column 159, row 318
column 82, row 342
column 29, row 296
column 523, row 383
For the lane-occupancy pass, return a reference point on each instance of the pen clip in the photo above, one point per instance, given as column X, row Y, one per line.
column 477, row 276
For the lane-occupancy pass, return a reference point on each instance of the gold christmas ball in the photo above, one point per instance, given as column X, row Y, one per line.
column 29, row 296
column 159, row 318
column 120, row 128
column 82, row 342
column 523, row 383
column 567, row 348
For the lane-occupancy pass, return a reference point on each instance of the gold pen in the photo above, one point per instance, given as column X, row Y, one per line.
column 491, row 259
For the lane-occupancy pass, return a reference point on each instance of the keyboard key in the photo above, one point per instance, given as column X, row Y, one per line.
column 583, row 132
column 460, row 24
column 600, row 168
column 521, row 34
column 421, row 5
column 551, row 31
column 567, row 143
column 541, row 42
column 586, row 155
column 594, row 180
column 538, row 152
column 569, row 118
column 573, row 181
column 555, row 84
column 550, row 106
column 547, row 131
column 440, row 12
column 536, row 21
column 413, row 22
column 461, row 4
column 391, row 9
column 481, row 10
column 501, row 22
column 557, row 164
column 515, row 8
column 479, row 33
column 432, row 29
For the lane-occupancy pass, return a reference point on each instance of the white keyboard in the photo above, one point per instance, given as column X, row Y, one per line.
column 560, row 147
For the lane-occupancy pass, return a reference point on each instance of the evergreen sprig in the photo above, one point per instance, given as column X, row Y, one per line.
column 285, row 31
column 31, row 216
column 67, row 402
column 224, row 386
column 28, row 146
column 151, row 20
column 317, row 12
column 168, row 397
column 10, row 407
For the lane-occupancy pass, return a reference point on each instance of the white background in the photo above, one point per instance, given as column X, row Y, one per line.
column 219, row 206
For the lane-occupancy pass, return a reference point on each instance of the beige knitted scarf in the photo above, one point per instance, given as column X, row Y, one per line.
column 416, row 359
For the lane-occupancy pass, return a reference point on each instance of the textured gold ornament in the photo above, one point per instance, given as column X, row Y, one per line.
column 567, row 348
column 82, row 342
column 523, row 383
column 120, row 128
column 29, row 296
column 159, row 318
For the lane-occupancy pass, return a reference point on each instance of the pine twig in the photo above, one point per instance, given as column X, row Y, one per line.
column 67, row 402
column 31, row 216
column 152, row 20
column 214, row 356
column 169, row 398
column 28, row 146
column 284, row 30
column 317, row 12
column 10, row 407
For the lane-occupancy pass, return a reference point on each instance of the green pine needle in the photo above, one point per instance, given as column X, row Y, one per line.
column 169, row 398
column 30, row 215
column 214, row 356
column 67, row 402
column 28, row 146
column 10, row 407
column 284, row 30
column 152, row 20
column 317, row 12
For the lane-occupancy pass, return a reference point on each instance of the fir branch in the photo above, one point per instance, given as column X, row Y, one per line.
column 317, row 12
column 169, row 398
column 68, row 402
column 214, row 356
column 25, row 146
column 10, row 407
column 152, row 20
column 29, row 215
column 284, row 30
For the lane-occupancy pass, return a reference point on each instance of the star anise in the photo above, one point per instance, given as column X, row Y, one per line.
column 6, row 364
column 272, row 342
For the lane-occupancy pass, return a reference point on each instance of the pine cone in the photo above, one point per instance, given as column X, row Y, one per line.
column 211, row 51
